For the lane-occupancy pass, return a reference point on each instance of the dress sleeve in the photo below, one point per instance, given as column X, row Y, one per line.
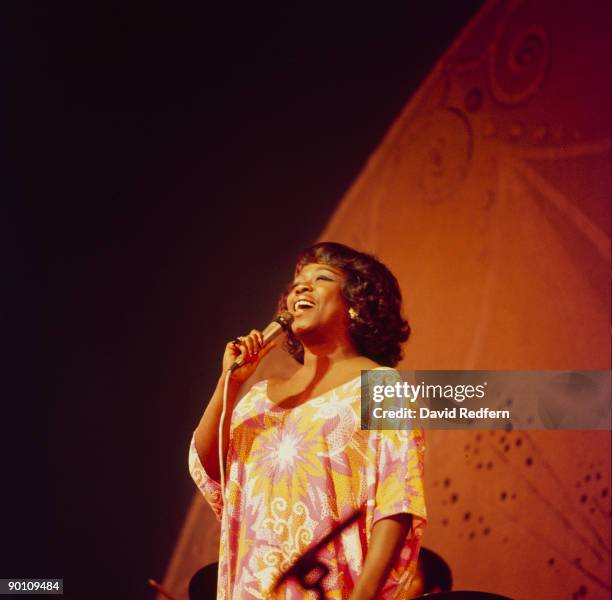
column 399, row 490
column 211, row 489
column 398, row 458
column 397, row 461
column 399, row 474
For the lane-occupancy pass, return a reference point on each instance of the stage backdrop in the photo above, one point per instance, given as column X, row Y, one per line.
column 490, row 199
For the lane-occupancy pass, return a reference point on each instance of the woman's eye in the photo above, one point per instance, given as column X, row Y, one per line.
column 324, row 278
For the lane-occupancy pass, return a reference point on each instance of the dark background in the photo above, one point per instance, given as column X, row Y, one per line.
column 165, row 165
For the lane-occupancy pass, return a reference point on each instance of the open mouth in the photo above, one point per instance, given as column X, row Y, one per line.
column 302, row 305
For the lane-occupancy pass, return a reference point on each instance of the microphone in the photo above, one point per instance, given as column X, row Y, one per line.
column 271, row 332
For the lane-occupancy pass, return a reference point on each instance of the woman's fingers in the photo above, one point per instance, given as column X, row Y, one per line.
column 250, row 345
column 239, row 347
column 232, row 348
column 256, row 338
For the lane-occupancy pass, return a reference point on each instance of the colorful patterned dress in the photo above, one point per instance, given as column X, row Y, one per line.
column 295, row 473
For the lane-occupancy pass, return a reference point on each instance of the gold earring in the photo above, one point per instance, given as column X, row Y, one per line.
column 353, row 313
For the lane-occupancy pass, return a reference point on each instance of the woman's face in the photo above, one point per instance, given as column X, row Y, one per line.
column 315, row 300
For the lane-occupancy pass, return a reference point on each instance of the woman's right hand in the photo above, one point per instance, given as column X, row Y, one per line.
column 251, row 348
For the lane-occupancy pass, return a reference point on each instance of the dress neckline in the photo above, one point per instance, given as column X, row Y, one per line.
column 264, row 383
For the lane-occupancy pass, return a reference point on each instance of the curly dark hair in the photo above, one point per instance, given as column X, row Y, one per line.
column 372, row 290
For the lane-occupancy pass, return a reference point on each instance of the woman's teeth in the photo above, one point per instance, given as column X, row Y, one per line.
column 303, row 304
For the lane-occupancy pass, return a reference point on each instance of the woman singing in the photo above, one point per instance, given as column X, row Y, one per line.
column 297, row 462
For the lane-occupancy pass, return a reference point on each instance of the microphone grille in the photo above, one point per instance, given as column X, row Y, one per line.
column 285, row 319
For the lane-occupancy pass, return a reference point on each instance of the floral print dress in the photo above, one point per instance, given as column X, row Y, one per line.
column 293, row 474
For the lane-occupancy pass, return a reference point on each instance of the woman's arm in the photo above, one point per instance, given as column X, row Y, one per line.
column 207, row 431
column 387, row 540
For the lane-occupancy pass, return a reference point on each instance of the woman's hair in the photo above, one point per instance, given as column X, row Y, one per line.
column 372, row 291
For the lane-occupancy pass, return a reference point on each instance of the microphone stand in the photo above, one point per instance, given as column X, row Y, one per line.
column 309, row 564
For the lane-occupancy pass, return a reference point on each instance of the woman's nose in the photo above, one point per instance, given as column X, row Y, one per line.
column 302, row 287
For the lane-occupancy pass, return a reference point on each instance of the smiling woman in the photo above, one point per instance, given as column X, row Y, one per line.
column 315, row 299
column 297, row 462
column 370, row 295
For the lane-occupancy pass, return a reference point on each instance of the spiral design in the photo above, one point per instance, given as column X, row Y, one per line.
column 518, row 62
